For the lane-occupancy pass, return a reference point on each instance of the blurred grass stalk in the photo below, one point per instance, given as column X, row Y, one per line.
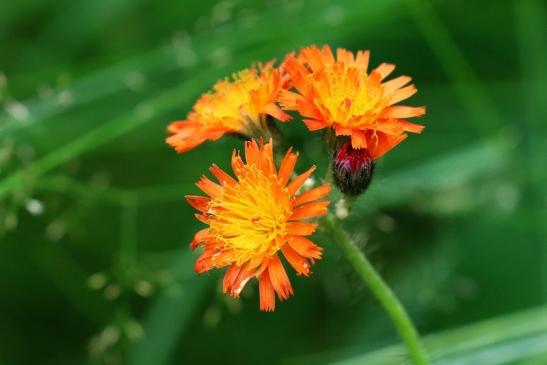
column 507, row 339
column 531, row 26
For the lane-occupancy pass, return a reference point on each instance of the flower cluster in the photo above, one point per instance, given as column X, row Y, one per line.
column 261, row 212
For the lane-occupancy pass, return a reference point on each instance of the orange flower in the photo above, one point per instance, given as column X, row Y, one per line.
column 253, row 217
column 238, row 106
column 338, row 93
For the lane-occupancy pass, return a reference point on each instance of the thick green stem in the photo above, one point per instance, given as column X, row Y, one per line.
column 379, row 288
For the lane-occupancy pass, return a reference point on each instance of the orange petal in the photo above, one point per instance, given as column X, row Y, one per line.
column 395, row 84
column 305, row 247
column 358, row 139
column 202, row 218
column 385, row 69
column 293, row 101
column 184, row 144
column 252, row 153
column 386, row 143
column 295, row 184
column 402, row 94
column 237, row 162
column 183, row 128
column 301, row 228
column 289, row 100
column 265, row 158
column 311, row 195
column 300, row 264
column 276, row 112
column 222, row 176
column 310, row 210
column 267, row 294
column 345, row 56
column 287, row 167
column 279, row 278
column 342, row 131
column 199, row 237
column 236, row 285
column 230, row 277
column 208, row 187
column 410, row 127
column 362, row 59
column 204, row 262
column 400, row 111
column 314, row 125
column 200, row 203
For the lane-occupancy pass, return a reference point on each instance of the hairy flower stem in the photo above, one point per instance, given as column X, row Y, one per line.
column 382, row 292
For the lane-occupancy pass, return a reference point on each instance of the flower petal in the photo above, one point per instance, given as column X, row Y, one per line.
column 208, row 187
column 299, row 263
column 410, row 127
column 305, row 247
column 310, row 210
column 287, row 167
column 301, row 228
column 400, row 111
column 393, row 85
column 200, row 237
column 297, row 182
column 222, row 176
column 314, row 125
column 402, row 94
column 358, row 139
column 200, row 203
column 279, row 278
column 311, row 195
column 385, row 143
column 276, row 112
column 267, row 294
column 236, row 285
column 384, row 70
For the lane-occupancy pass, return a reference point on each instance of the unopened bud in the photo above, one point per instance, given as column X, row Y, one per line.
column 352, row 169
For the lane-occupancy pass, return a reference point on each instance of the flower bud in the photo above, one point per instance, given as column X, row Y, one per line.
column 352, row 169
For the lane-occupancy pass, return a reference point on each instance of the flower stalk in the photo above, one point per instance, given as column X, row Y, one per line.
column 383, row 293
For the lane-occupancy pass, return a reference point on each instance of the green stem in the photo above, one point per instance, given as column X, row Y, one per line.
column 379, row 288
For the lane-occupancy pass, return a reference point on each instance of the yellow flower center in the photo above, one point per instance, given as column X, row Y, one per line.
column 230, row 106
column 346, row 93
column 250, row 217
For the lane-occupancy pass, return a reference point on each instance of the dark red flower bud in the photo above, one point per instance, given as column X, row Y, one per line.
column 352, row 169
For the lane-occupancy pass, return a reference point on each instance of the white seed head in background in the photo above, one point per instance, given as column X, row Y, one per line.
column 35, row 207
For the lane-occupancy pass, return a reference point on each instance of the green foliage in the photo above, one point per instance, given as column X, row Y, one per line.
column 94, row 263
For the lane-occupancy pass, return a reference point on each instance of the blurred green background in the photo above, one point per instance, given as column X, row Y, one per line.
column 94, row 262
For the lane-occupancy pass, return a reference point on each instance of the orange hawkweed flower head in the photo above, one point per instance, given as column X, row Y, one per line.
column 239, row 106
column 339, row 93
column 253, row 217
